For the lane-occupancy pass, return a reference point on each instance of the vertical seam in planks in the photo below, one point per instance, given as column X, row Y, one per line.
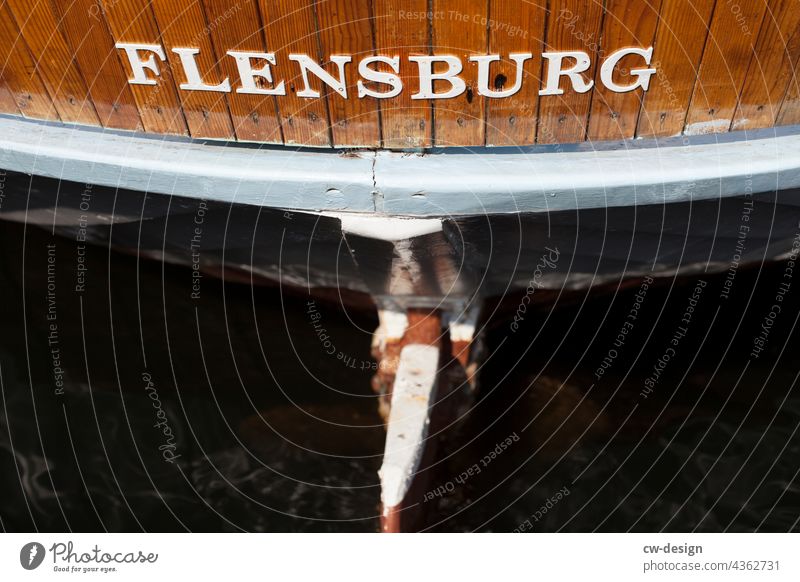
column 652, row 44
column 488, row 41
column 547, row 8
column 792, row 79
column 753, row 55
column 59, row 18
column 321, row 60
column 262, row 23
column 175, row 83
column 700, row 65
column 600, row 39
column 216, row 55
column 374, row 33
column 429, row 20
column 36, row 60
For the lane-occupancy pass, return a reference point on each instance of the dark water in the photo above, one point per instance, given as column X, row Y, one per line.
column 225, row 413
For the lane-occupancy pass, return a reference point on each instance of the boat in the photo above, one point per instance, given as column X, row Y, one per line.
column 423, row 156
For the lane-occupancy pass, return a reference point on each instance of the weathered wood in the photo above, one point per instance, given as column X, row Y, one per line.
column 730, row 47
column 236, row 25
column 83, row 26
column 720, row 66
column 183, row 24
column 772, row 68
column 573, row 25
column 290, row 27
column 18, row 74
column 345, row 27
column 53, row 60
column 461, row 29
column 159, row 107
column 627, row 23
column 402, row 28
column 679, row 44
column 516, row 27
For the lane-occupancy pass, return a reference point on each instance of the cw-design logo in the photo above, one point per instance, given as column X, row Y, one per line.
column 31, row 555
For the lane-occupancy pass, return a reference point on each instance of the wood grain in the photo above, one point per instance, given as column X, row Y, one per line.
column 573, row 25
column 18, row 74
column 236, row 25
column 771, row 69
column 53, row 60
column 82, row 24
column 681, row 37
column 159, row 107
column 402, row 28
column 290, row 27
column 627, row 23
column 790, row 109
column 345, row 27
column 183, row 24
column 727, row 55
column 460, row 29
column 517, row 27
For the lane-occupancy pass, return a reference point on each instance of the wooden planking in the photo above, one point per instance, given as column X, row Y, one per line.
column 18, row 74
column 82, row 24
column 159, row 107
column 771, row 69
column 236, row 25
column 7, row 102
column 516, row 28
column 679, row 44
column 790, row 109
column 53, row 59
column 727, row 56
column 627, row 23
column 345, row 27
column 290, row 27
column 402, row 29
column 183, row 24
column 460, row 29
column 573, row 25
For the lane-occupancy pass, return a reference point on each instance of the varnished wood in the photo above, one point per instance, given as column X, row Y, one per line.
column 517, row 27
column 727, row 56
column 627, row 23
column 290, row 27
column 459, row 28
column 159, row 106
column 183, row 24
column 83, row 26
column 776, row 57
column 573, row 25
column 345, row 27
column 681, row 37
column 53, row 60
column 18, row 74
column 402, row 29
column 236, row 25
column 720, row 67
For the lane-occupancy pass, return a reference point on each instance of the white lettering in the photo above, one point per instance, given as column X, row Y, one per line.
column 247, row 74
column 193, row 80
column 643, row 75
column 307, row 64
column 555, row 70
column 484, row 62
column 379, row 77
column 427, row 77
column 140, row 67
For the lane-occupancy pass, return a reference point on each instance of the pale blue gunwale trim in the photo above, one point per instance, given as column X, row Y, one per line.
column 440, row 183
